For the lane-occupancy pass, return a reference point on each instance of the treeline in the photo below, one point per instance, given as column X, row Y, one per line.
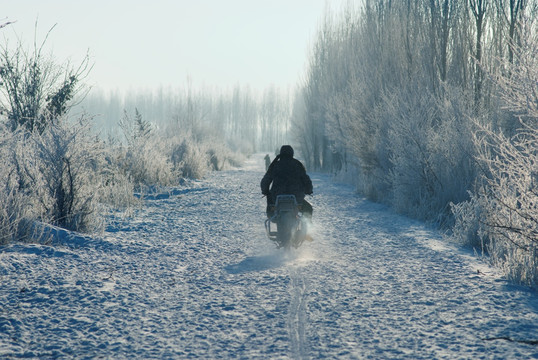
column 246, row 120
column 428, row 104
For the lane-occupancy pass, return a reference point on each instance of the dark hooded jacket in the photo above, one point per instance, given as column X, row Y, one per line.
column 287, row 176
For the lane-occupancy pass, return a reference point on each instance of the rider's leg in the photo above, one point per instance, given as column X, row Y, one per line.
column 270, row 207
column 307, row 214
column 307, row 210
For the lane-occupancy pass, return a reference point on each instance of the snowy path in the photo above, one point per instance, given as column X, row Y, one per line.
column 192, row 275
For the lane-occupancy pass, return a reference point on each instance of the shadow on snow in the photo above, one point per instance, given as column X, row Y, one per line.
column 258, row 263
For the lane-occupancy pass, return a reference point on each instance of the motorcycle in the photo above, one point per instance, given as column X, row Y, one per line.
column 291, row 226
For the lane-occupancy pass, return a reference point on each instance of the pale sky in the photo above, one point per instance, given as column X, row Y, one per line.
column 145, row 44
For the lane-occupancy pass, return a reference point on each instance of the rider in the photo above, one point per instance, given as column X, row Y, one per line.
column 288, row 176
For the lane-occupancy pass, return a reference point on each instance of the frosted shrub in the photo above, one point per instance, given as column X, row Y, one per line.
column 234, row 159
column 452, row 149
column 363, row 133
column 508, row 196
column 502, row 217
column 52, row 177
column 466, row 229
column 68, row 172
column 510, row 217
column 194, row 154
column 503, row 212
column 36, row 90
column 431, row 153
column 19, row 205
column 13, row 212
column 190, row 159
column 413, row 177
column 217, row 159
column 152, row 159
column 220, row 157
column 118, row 189
column 146, row 163
column 11, row 215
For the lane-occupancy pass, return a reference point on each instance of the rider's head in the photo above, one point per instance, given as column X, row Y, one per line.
column 286, row 151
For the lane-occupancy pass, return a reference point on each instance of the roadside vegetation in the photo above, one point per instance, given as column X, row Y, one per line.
column 57, row 170
column 431, row 107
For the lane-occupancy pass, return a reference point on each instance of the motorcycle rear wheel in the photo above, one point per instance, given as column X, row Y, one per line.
column 285, row 232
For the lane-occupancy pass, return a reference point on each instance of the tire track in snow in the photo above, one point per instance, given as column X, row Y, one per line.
column 297, row 317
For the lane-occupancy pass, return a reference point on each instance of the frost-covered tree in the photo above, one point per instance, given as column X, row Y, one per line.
column 245, row 120
column 502, row 215
column 392, row 88
column 134, row 128
column 50, row 164
column 36, row 90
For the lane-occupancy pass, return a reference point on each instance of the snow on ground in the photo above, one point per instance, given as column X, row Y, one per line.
column 192, row 275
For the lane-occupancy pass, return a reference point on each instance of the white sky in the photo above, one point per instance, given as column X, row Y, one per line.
column 144, row 44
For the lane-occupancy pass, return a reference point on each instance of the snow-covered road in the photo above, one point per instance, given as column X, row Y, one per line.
column 192, row 275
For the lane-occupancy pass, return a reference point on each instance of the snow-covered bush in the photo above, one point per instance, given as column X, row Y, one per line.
column 189, row 158
column 49, row 165
column 118, row 189
column 52, row 177
column 413, row 174
column 156, row 157
column 219, row 155
column 67, row 175
column 13, row 212
column 432, row 151
column 360, row 128
column 196, row 152
column 414, row 150
column 13, row 219
column 467, row 215
column 144, row 161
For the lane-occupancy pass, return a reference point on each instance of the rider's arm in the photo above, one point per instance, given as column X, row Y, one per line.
column 268, row 178
column 266, row 181
column 307, row 182
column 308, row 188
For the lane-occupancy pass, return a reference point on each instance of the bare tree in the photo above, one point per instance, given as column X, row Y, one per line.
column 3, row 25
column 478, row 9
column 511, row 12
column 37, row 90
